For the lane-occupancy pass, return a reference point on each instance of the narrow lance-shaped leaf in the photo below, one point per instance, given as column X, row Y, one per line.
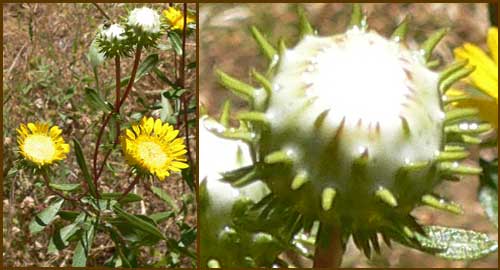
column 65, row 186
column 147, row 65
column 95, row 100
column 45, row 217
column 117, row 195
column 176, row 42
column 138, row 223
column 80, row 159
column 84, row 245
column 60, row 238
column 165, row 197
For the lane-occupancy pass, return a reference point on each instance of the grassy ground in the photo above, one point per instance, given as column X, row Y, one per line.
column 45, row 70
column 225, row 43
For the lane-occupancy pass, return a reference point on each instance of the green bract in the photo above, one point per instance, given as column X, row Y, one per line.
column 112, row 41
column 350, row 130
column 144, row 27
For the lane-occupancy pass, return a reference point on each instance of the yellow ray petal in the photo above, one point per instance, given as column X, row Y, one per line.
column 493, row 43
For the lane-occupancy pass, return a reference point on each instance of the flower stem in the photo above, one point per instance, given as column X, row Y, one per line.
column 329, row 248
column 137, row 58
column 102, row 11
column 182, row 81
column 46, row 178
column 130, row 187
column 119, row 102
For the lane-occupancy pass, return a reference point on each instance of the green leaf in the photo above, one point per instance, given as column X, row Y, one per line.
column 165, row 197
column 120, row 248
column 176, row 42
column 116, row 195
column 84, row 245
column 456, row 244
column 149, row 63
column 68, row 215
column 65, row 187
column 59, row 239
column 164, row 78
column 162, row 216
column 144, row 68
column 166, row 108
column 95, row 57
column 45, row 217
column 80, row 159
column 139, row 223
column 96, row 101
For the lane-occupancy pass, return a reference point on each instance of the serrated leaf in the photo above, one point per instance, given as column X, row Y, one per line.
column 80, row 159
column 95, row 100
column 65, row 187
column 139, row 223
column 45, row 217
column 165, row 197
column 456, row 244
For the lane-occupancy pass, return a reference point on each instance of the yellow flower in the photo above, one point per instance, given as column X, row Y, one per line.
column 176, row 18
column 41, row 145
column 152, row 146
column 484, row 77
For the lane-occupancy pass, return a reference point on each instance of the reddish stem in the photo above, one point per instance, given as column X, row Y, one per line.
column 60, row 194
column 329, row 249
column 130, row 187
column 181, row 82
column 119, row 102
column 132, row 76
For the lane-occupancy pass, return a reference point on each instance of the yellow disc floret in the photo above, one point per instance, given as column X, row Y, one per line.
column 152, row 146
column 40, row 144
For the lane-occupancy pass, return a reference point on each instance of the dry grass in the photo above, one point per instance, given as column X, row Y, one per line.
column 226, row 43
column 45, row 71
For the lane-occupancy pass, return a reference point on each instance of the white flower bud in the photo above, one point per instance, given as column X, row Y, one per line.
column 145, row 18
column 115, row 31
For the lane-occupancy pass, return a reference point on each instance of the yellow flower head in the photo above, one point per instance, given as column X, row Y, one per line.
column 175, row 18
column 152, row 146
column 41, row 145
column 484, row 77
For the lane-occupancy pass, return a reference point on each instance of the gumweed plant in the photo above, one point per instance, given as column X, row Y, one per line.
column 344, row 136
column 153, row 148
